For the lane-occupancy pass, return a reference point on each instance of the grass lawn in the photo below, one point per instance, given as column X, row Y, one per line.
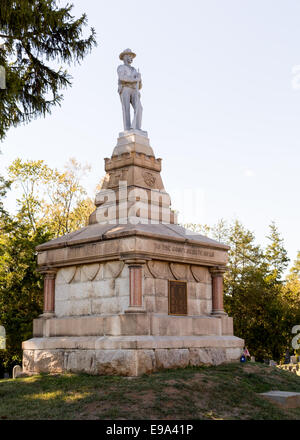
column 224, row 392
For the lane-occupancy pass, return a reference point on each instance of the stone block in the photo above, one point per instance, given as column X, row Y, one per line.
column 227, row 325
column 103, row 288
column 206, row 326
column 161, row 287
column 62, row 292
column 161, row 305
column 80, row 307
column 149, row 286
column 192, row 290
column 123, row 303
column 199, row 357
column 116, row 362
column 149, row 302
column 51, row 361
column 284, row 399
column 62, row 308
column 127, row 325
column 38, row 327
column 97, row 306
column 194, row 306
column 79, row 290
column 80, row 361
column 205, row 307
column 171, row 358
column 122, row 287
column 146, row 362
column 82, row 326
column 208, row 356
column 28, row 360
column 233, row 354
column 110, row 306
column 204, row 291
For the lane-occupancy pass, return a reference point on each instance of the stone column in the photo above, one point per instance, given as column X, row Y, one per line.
column 135, row 286
column 217, row 290
column 49, row 292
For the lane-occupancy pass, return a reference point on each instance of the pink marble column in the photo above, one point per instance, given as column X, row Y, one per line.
column 217, row 290
column 49, row 292
column 135, row 283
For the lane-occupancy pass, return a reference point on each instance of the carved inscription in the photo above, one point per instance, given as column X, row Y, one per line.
column 183, row 250
column 177, row 298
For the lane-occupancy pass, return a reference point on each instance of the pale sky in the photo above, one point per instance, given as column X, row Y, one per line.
column 221, row 106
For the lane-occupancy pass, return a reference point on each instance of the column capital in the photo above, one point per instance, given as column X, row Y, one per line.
column 217, row 271
column 48, row 271
column 134, row 259
column 135, row 263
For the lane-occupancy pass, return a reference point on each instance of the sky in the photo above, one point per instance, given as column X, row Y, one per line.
column 221, row 100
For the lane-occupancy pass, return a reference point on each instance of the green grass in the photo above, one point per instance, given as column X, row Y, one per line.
column 228, row 391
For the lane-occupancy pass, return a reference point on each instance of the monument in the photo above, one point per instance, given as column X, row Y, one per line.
column 132, row 292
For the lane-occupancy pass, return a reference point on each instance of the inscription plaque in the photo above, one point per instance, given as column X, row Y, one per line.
column 177, row 298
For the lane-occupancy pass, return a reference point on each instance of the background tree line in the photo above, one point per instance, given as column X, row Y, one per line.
column 51, row 203
column 264, row 305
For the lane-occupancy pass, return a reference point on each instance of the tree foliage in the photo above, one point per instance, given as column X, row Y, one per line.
column 264, row 306
column 39, row 37
column 50, row 203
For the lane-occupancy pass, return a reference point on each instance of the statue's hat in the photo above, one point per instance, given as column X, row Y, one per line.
column 127, row 52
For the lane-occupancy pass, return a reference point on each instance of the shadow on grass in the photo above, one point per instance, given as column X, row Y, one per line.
column 222, row 392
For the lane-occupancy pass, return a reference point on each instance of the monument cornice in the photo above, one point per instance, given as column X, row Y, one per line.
column 113, row 233
column 133, row 246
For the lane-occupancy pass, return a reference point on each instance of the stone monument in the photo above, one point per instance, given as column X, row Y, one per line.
column 132, row 292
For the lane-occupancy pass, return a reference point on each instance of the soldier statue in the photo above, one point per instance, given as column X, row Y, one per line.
column 130, row 83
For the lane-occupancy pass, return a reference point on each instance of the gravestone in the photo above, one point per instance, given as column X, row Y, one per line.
column 285, row 399
column 293, row 359
column 17, row 371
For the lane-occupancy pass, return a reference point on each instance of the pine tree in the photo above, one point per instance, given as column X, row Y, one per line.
column 294, row 273
column 38, row 35
column 276, row 255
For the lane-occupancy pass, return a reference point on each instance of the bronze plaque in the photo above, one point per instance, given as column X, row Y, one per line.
column 177, row 298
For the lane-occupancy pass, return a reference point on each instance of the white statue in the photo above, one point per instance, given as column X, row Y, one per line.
column 130, row 83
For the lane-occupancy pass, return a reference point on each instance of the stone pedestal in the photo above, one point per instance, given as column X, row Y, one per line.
column 107, row 286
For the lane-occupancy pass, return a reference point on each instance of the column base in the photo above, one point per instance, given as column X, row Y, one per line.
column 47, row 315
column 219, row 313
column 132, row 309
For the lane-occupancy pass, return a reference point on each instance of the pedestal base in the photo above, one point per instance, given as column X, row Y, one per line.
column 127, row 355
